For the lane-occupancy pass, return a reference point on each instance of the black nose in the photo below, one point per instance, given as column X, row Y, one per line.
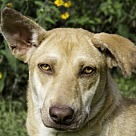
column 61, row 115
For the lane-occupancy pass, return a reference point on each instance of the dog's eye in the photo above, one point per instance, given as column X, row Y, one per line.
column 45, row 68
column 88, row 70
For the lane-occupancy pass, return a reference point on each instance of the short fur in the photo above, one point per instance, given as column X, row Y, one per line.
column 99, row 109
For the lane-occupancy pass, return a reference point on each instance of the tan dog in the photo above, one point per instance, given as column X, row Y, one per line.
column 70, row 91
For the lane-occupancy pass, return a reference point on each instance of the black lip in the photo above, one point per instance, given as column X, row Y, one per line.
column 63, row 128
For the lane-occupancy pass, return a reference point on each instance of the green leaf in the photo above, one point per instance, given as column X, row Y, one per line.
column 48, row 19
column 2, row 80
column 39, row 3
column 123, row 30
column 11, row 59
column 55, row 9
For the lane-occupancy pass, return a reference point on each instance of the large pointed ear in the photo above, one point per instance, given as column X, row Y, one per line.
column 22, row 34
column 119, row 50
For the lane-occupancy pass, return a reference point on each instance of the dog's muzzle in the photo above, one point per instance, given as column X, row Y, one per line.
column 60, row 118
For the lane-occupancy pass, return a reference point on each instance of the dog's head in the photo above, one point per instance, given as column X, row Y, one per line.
column 67, row 68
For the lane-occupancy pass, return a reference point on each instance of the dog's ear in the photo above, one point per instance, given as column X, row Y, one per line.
column 118, row 50
column 22, row 34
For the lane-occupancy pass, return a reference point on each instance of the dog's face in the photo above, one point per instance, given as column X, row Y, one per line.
column 65, row 75
column 67, row 68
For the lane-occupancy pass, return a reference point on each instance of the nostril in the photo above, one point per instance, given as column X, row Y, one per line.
column 61, row 115
column 67, row 119
column 54, row 117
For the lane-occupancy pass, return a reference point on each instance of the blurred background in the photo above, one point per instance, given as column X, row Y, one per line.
column 111, row 16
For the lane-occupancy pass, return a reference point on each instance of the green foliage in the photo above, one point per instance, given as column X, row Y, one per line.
column 12, row 119
column 13, row 75
column 127, row 86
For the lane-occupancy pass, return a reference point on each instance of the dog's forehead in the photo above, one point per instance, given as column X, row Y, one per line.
column 66, row 43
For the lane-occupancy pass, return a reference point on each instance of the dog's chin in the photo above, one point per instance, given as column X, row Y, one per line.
column 63, row 128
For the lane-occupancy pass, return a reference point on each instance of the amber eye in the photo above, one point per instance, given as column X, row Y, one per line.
column 45, row 68
column 88, row 70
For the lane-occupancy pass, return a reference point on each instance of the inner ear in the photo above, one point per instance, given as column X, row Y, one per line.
column 22, row 34
column 110, row 58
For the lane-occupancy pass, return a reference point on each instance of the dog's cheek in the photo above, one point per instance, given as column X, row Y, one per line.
column 39, row 91
column 88, row 96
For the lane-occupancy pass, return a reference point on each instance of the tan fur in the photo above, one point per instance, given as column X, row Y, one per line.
column 99, row 108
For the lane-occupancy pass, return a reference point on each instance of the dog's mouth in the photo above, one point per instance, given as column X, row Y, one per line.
column 75, row 125
column 63, row 128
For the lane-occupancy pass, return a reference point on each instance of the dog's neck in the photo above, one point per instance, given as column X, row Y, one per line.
column 106, row 104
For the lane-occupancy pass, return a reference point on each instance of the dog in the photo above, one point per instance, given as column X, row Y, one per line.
column 70, row 89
